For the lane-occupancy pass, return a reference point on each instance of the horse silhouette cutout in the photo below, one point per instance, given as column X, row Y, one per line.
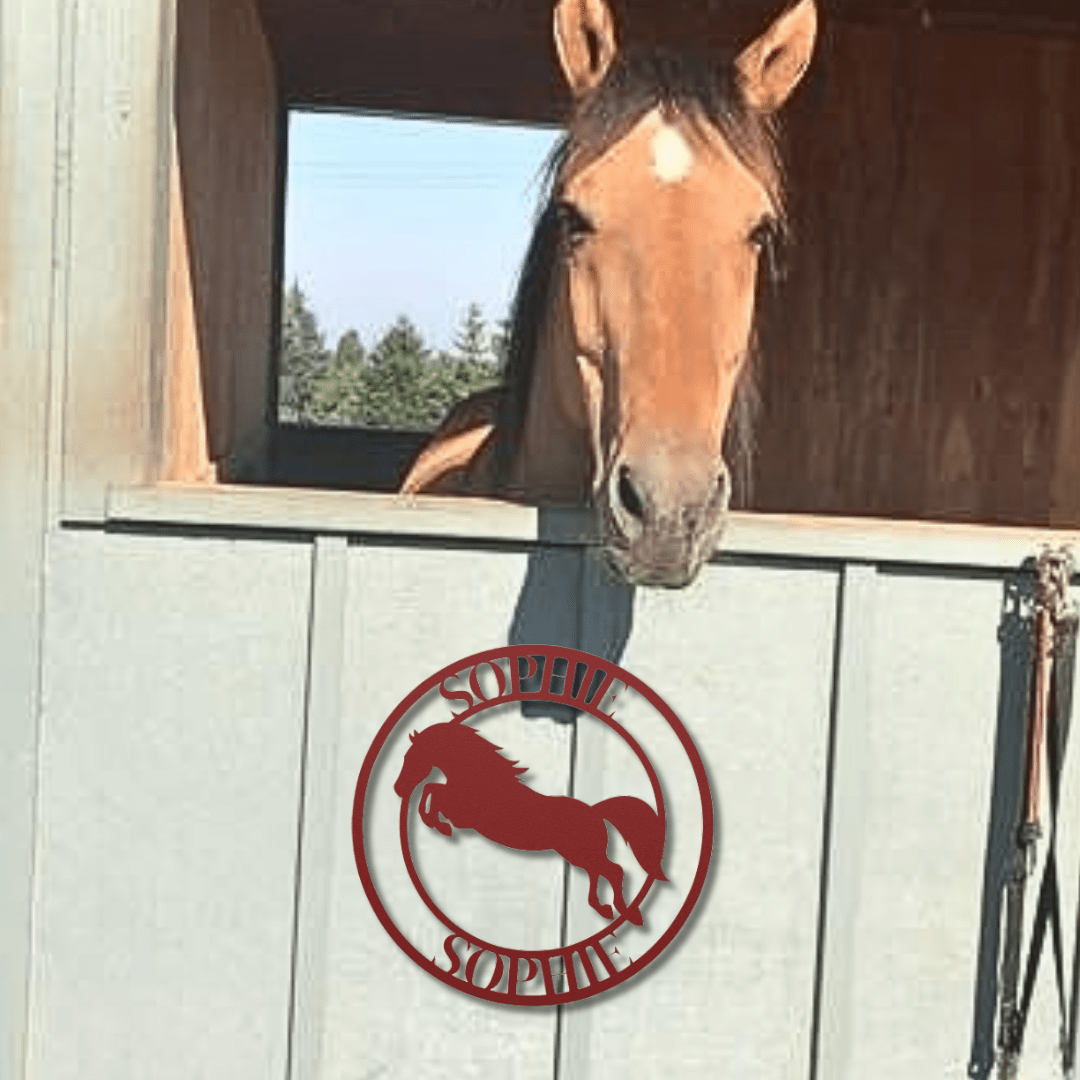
column 484, row 792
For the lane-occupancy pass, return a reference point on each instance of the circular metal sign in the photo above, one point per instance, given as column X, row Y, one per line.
column 482, row 874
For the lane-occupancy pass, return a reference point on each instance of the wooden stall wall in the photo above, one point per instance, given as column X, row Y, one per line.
column 922, row 358
column 857, row 693
column 477, row 58
column 221, row 239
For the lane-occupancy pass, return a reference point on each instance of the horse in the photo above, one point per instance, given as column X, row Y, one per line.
column 632, row 323
column 483, row 791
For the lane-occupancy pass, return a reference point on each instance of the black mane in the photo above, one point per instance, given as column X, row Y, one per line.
column 699, row 88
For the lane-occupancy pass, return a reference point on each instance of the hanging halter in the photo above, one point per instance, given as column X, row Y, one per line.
column 1047, row 730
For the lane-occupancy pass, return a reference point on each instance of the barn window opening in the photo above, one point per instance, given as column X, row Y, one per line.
column 401, row 246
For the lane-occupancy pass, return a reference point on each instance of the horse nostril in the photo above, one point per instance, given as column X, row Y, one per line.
column 628, row 495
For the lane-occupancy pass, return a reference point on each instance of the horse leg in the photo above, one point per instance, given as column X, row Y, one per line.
column 429, row 809
column 614, row 874
column 585, row 845
column 427, row 799
column 603, row 910
column 451, row 463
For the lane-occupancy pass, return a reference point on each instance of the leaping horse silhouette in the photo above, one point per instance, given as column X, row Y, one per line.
column 484, row 792
column 632, row 327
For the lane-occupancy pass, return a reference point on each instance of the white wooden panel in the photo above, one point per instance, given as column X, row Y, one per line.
column 922, row 834
column 117, row 247
column 744, row 658
column 171, row 737
column 411, row 612
column 31, row 88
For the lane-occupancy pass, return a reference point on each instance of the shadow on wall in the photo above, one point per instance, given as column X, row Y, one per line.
column 571, row 598
column 1016, row 636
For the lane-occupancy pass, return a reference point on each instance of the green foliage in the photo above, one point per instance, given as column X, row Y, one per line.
column 399, row 384
column 304, row 357
column 470, row 342
column 500, row 343
column 338, row 390
column 398, row 388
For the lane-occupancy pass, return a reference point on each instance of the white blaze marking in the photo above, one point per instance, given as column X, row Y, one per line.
column 672, row 157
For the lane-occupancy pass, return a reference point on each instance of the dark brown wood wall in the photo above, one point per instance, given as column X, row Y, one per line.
column 494, row 58
column 923, row 357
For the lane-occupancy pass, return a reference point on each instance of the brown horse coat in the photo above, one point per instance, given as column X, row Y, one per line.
column 634, row 316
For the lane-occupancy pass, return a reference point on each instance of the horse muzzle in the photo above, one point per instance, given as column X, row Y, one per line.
column 662, row 515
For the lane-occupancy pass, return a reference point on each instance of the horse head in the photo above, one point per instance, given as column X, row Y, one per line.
column 633, row 320
column 663, row 233
column 417, row 766
column 455, row 748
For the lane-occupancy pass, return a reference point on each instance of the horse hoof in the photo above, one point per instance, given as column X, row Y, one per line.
column 605, row 912
column 634, row 916
column 443, row 827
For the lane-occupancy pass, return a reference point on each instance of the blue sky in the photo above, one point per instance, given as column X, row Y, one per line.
column 390, row 216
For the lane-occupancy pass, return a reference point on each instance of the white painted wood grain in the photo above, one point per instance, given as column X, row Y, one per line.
column 167, row 834
column 411, row 612
column 744, row 658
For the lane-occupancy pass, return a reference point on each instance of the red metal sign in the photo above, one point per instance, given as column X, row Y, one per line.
column 484, row 791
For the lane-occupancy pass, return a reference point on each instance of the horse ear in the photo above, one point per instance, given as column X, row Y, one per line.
column 585, row 41
column 770, row 68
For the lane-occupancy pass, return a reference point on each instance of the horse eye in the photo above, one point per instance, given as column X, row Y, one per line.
column 574, row 226
column 765, row 234
column 767, row 239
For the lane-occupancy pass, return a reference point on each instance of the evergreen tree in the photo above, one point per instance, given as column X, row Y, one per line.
column 339, row 391
column 304, row 357
column 471, row 340
column 398, row 384
column 399, row 391
column 350, row 351
column 475, row 362
column 500, row 343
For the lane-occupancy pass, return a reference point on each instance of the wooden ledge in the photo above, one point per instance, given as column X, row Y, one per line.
column 771, row 536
